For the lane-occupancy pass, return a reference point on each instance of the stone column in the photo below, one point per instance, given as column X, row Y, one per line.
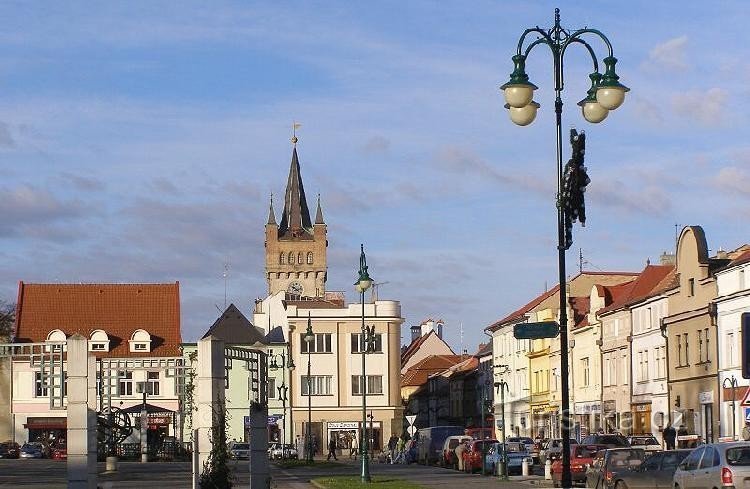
column 81, row 436
column 260, row 477
column 209, row 390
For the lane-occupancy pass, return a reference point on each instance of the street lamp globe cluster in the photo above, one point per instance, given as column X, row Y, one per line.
column 606, row 93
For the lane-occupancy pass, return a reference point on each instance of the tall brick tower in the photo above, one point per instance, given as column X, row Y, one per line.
column 296, row 247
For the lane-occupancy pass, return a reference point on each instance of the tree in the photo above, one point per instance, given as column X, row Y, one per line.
column 216, row 471
column 7, row 319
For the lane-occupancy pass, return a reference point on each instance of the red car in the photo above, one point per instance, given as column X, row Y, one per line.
column 60, row 452
column 473, row 456
column 581, row 456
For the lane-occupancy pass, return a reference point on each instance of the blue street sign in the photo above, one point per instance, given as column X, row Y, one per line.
column 747, row 414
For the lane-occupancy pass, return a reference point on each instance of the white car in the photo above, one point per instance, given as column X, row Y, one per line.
column 240, row 451
column 648, row 442
column 289, row 452
column 715, row 465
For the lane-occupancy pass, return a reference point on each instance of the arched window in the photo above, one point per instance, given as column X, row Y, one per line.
column 282, row 258
column 299, row 258
column 98, row 341
column 291, row 258
column 309, row 258
column 140, row 340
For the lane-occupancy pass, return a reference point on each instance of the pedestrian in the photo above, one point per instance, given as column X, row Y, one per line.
column 459, row 451
column 332, row 449
column 682, row 431
column 392, row 441
column 669, row 435
column 353, row 447
column 746, row 431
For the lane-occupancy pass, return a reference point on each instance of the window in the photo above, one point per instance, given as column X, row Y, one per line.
column 99, row 341
column 322, row 343
column 374, row 384
column 585, row 369
column 612, row 370
column 319, row 385
column 685, row 341
column 152, row 380
column 708, row 345
column 624, row 367
column 649, row 318
column 282, row 258
column 291, row 258
column 679, row 351
column 691, row 287
column 299, row 258
column 271, row 388
column 125, row 384
column 606, row 380
column 40, row 387
column 309, row 258
column 140, row 341
column 730, row 349
column 97, row 347
column 357, row 345
column 741, row 279
column 644, row 371
column 700, row 346
column 660, row 357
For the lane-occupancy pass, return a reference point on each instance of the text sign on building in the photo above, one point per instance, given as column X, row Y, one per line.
column 345, row 425
column 535, row 331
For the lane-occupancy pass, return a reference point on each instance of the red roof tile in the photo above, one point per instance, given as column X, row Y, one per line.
column 118, row 309
column 650, row 281
column 419, row 372
column 580, row 306
column 517, row 314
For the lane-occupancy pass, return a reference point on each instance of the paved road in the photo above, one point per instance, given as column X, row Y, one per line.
column 51, row 474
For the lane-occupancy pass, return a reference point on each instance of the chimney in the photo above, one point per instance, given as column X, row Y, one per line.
column 416, row 332
column 721, row 254
column 667, row 258
column 439, row 329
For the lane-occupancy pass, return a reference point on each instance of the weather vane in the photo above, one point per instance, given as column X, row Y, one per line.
column 295, row 126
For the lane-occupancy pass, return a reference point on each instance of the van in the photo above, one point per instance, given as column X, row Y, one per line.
column 430, row 442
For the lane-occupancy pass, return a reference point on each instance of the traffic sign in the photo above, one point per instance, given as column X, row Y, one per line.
column 535, row 331
column 411, row 430
column 746, row 398
column 410, row 418
column 747, row 415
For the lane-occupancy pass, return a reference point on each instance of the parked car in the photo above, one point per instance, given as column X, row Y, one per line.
column 474, row 456
column 480, row 433
column 29, row 450
column 715, row 465
column 647, row 442
column 611, row 440
column 655, row 472
column 527, row 442
column 607, row 466
column 240, row 451
column 514, row 459
column 552, row 449
column 430, row 442
column 581, row 456
column 289, row 452
column 9, row 449
column 448, row 458
column 60, row 452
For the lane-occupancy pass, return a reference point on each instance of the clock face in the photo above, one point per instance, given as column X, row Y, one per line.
column 295, row 288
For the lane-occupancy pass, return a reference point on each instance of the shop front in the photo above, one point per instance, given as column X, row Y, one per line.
column 642, row 418
column 540, row 420
column 346, row 431
column 588, row 417
column 46, row 429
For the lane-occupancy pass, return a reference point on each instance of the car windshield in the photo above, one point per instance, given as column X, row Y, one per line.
column 625, row 458
column 648, row 440
column 581, row 451
column 738, row 456
column 241, row 446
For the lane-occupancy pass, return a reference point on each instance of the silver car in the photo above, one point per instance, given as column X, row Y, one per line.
column 715, row 465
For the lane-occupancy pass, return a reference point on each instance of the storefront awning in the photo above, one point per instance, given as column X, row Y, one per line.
column 48, row 423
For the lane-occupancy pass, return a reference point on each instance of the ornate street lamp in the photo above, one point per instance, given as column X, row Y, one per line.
column 502, row 386
column 286, row 363
column 309, row 339
column 361, row 285
column 731, row 383
column 606, row 93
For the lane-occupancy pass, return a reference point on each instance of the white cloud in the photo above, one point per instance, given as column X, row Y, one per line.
column 669, row 55
column 733, row 179
column 708, row 108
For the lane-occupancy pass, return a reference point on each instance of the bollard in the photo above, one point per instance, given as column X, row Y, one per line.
column 548, row 470
column 111, row 464
column 501, row 469
column 525, row 467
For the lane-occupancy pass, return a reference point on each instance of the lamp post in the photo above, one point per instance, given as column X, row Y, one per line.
column 732, row 385
column 502, row 386
column 606, row 93
column 286, row 362
column 309, row 339
column 361, row 285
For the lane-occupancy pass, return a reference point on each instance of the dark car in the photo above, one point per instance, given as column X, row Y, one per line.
column 608, row 466
column 9, row 449
column 430, row 442
column 655, row 472
column 612, row 441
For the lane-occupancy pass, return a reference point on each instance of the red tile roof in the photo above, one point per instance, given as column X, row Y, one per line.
column 580, row 306
column 416, row 344
column 417, row 375
column 519, row 313
column 648, row 282
column 118, row 309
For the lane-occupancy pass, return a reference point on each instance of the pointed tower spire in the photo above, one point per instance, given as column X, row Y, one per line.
column 295, row 219
column 271, row 215
column 319, row 213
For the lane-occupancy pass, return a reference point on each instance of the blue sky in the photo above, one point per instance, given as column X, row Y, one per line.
column 140, row 142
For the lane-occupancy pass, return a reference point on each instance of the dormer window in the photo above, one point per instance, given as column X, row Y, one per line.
column 140, row 341
column 55, row 336
column 99, row 341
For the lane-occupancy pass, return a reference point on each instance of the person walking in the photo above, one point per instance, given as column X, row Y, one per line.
column 669, row 435
column 459, row 451
column 354, row 447
column 682, row 431
column 400, row 445
column 392, row 447
column 331, row 449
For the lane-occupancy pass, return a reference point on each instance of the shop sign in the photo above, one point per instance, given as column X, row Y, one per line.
column 706, row 397
column 588, row 408
column 344, row 425
column 642, row 408
column 272, row 419
column 609, row 406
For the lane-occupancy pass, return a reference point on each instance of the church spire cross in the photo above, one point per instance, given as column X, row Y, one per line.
column 271, row 214
column 295, row 220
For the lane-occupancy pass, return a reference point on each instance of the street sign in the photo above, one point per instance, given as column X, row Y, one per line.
column 410, row 418
column 747, row 415
column 411, row 430
column 535, row 331
column 746, row 398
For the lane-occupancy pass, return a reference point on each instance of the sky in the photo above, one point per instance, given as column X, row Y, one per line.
column 140, row 141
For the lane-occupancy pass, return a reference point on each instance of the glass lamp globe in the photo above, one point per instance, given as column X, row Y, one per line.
column 518, row 96
column 610, row 97
column 593, row 111
column 523, row 116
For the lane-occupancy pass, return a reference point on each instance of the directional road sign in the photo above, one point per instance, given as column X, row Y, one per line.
column 535, row 331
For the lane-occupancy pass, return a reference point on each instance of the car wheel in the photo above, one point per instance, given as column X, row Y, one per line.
column 621, row 485
column 555, row 483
